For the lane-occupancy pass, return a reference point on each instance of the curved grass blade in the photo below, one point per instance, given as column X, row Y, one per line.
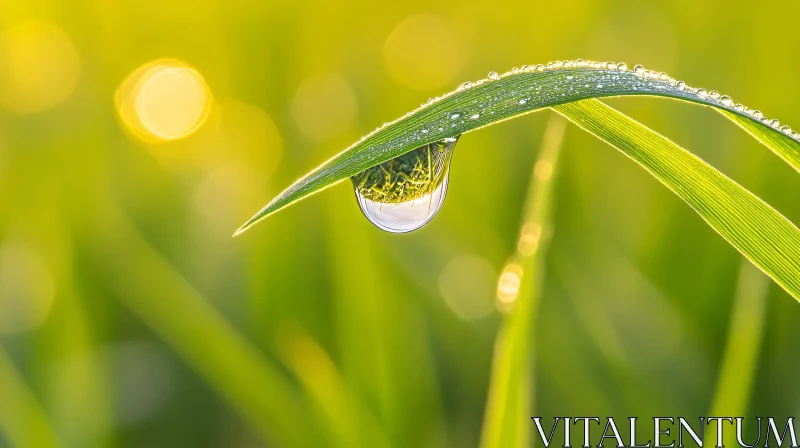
column 750, row 225
column 498, row 98
column 508, row 407
column 780, row 144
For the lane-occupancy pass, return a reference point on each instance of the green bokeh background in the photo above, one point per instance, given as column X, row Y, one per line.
column 135, row 236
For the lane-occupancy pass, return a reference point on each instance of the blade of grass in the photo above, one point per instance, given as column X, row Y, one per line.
column 183, row 318
column 779, row 143
column 349, row 421
column 508, row 407
column 21, row 417
column 741, row 349
column 754, row 228
column 398, row 383
column 503, row 97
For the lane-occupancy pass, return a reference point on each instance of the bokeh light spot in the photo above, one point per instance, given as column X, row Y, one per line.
column 467, row 286
column 164, row 100
column 423, row 52
column 529, row 239
column 39, row 67
column 508, row 286
column 26, row 288
column 324, row 106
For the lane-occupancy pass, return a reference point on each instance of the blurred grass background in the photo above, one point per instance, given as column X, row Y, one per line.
column 135, row 137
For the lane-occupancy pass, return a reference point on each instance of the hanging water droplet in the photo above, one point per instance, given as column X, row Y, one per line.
column 639, row 70
column 494, row 76
column 405, row 193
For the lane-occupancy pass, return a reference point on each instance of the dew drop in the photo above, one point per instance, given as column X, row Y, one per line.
column 455, row 116
column 475, row 117
column 726, row 100
column 786, row 129
column 611, row 65
column 702, row 93
column 494, row 76
column 405, row 193
column 639, row 70
column 757, row 114
column 774, row 123
column 622, row 66
column 681, row 85
column 714, row 95
column 523, row 101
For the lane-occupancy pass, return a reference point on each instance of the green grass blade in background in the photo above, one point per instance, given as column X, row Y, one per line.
column 780, row 143
column 500, row 98
column 349, row 422
column 740, row 360
column 22, row 419
column 754, row 228
column 508, row 408
column 372, row 315
column 215, row 349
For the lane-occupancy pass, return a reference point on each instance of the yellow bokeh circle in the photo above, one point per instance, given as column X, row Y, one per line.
column 163, row 100
column 39, row 67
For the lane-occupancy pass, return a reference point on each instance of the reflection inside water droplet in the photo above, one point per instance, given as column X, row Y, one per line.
column 405, row 193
